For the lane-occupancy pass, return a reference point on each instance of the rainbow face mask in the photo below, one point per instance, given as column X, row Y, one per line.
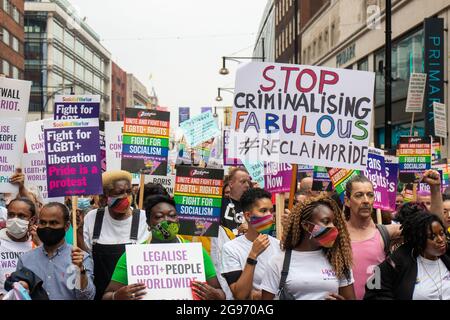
column 263, row 225
column 119, row 205
column 325, row 236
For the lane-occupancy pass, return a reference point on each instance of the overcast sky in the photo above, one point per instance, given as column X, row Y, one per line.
column 179, row 42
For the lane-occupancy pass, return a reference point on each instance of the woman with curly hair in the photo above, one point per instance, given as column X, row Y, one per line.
column 419, row 269
column 317, row 240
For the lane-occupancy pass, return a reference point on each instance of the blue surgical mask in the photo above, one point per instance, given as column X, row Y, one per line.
column 84, row 203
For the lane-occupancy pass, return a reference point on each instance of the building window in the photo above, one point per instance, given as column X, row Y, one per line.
column 58, row 31
column 57, row 57
column 15, row 44
column 69, row 40
column 5, row 68
column 69, row 64
column 16, row 15
column 79, row 48
column 6, row 6
column 79, row 71
column 363, row 64
column 15, row 72
column 6, row 36
column 407, row 58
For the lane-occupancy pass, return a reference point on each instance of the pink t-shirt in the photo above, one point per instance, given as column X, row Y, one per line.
column 366, row 255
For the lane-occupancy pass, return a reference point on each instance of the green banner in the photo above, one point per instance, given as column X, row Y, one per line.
column 146, row 141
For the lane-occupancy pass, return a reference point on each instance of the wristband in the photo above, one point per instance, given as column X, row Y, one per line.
column 251, row 261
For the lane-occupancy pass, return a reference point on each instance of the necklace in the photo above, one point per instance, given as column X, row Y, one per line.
column 440, row 277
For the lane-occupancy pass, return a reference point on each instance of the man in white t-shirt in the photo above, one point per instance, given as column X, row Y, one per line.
column 15, row 238
column 245, row 259
column 107, row 230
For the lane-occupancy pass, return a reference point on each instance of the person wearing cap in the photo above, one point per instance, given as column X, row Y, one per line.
column 107, row 230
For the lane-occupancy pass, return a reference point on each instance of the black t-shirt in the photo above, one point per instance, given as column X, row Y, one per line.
column 232, row 215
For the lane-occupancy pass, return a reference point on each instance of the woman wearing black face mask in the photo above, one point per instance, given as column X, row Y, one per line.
column 66, row 271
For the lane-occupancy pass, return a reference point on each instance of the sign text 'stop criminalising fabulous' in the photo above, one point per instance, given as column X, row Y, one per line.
column 303, row 114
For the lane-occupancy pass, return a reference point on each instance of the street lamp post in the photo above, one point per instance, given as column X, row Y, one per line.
column 219, row 97
column 388, row 79
column 44, row 106
column 225, row 71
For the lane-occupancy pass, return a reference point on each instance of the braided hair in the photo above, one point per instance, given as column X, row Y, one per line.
column 340, row 255
column 415, row 230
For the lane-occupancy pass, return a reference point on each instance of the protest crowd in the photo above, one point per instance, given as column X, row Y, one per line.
column 189, row 220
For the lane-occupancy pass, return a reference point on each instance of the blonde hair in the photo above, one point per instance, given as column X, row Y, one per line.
column 340, row 255
column 110, row 177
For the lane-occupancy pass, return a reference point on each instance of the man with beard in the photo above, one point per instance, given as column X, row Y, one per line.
column 368, row 239
column 66, row 271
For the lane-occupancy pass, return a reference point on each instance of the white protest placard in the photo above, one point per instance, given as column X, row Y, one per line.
column 166, row 269
column 14, row 98
column 34, row 136
column 168, row 182
column 302, row 114
column 416, row 92
column 200, row 128
column 12, row 135
column 35, row 171
column 440, row 120
column 113, row 141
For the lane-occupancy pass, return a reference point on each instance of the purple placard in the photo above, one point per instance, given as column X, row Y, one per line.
column 391, row 164
column 77, row 107
column 376, row 173
column 228, row 161
column 277, row 177
column 72, row 153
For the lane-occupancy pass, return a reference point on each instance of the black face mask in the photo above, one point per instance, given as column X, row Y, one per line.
column 50, row 236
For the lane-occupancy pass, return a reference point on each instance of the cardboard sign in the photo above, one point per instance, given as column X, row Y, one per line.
column 303, row 114
column 321, row 179
column 14, row 98
column 77, row 107
column 440, row 120
column 167, row 182
column 12, row 136
column 416, row 92
column 376, row 173
column 198, row 196
column 227, row 161
column 145, row 145
column 34, row 136
column 278, row 177
column 414, row 157
column 339, row 179
column 200, row 128
column 35, row 171
column 113, row 145
column 436, row 153
column 72, row 155
column 166, row 269
column 256, row 172
column 391, row 163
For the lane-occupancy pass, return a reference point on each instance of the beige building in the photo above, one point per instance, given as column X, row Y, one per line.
column 137, row 94
column 351, row 34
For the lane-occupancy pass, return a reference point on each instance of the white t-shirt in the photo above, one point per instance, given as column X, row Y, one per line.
column 235, row 254
column 216, row 256
column 113, row 231
column 426, row 288
column 10, row 251
column 310, row 276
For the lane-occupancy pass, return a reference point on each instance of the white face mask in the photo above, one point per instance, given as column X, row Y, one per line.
column 17, row 228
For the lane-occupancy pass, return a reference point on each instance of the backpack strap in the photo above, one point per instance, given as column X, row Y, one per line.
column 285, row 271
column 135, row 225
column 98, row 224
column 386, row 238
